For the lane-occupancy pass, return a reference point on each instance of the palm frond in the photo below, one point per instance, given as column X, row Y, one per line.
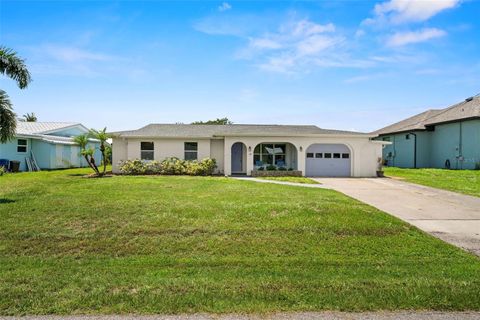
column 8, row 121
column 14, row 67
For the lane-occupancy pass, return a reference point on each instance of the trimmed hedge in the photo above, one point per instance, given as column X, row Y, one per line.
column 169, row 166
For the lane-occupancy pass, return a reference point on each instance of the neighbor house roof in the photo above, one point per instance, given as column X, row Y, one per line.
column 45, row 131
column 24, row 127
column 467, row 109
column 208, row 131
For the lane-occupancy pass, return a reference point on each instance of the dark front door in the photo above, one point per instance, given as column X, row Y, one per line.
column 237, row 157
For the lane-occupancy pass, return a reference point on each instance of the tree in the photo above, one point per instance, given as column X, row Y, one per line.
column 216, row 121
column 86, row 152
column 13, row 67
column 30, row 117
column 103, row 136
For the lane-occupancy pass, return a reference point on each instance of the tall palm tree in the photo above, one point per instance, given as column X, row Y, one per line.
column 13, row 67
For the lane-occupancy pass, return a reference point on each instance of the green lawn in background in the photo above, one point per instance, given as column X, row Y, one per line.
column 463, row 181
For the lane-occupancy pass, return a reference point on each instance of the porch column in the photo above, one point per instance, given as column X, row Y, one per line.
column 250, row 165
column 301, row 157
column 227, row 158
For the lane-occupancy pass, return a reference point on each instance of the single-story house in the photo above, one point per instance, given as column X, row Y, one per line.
column 50, row 143
column 239, row 148
column 442, row 138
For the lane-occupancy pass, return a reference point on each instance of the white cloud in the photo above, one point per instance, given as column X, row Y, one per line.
column 295, row 44
column 224, row 7
column 403, row 11
column 403, row 38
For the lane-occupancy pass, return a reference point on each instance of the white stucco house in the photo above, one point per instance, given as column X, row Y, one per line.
column 239, row 148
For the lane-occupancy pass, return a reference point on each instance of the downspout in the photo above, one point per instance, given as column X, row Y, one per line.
column 414, row 150
column 460, row 146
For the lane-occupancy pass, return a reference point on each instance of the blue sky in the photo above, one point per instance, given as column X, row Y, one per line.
column 355, row 65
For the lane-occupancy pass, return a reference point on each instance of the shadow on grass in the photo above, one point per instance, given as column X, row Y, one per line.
column 4, row 200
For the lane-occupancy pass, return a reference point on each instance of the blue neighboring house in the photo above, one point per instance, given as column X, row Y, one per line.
column 445, row 138
column 51, row 144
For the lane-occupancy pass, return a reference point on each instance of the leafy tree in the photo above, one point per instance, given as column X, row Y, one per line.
column 30, row 117
column 13, row 67
column 103, row 136
column 87, row 152
column 216, row 121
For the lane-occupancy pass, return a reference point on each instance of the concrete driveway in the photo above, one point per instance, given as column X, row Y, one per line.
column 452, row 217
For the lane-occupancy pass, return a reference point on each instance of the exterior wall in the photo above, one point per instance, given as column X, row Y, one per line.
column 364, row 152
column 9, row 151
column 401, row 152
column 129, row 149
column 44, row 154
column 216, row 152
column 458, row 142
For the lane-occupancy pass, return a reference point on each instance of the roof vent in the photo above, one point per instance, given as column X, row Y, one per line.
column 469, row 99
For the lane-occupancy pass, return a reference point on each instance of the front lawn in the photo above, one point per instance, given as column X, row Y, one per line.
column 291, row 179
column 463, row 181
column 152, row 244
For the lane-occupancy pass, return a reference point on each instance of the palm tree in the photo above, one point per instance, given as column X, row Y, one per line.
column 103, row 136
column 30, row 117
column 13, row 67
column 87, row 153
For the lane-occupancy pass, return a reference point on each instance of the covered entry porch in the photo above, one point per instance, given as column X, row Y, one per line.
column 245, row 157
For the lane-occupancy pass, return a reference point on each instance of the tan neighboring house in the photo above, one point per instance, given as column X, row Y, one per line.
column 239, row 149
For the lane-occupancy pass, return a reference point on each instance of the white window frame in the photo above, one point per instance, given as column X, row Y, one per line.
column 147, row 151
column 190, row 151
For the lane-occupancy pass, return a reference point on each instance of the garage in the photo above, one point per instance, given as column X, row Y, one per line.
column 328, row 160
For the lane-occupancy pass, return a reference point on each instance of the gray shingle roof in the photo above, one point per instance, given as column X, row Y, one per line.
column 460, row 111
column 29, row 128
column 207, row 131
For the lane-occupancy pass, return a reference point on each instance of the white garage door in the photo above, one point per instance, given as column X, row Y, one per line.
column 328, row 160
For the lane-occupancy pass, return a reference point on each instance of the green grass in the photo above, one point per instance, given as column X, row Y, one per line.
column 463, row 181
column 152, row 244
column 291, row 179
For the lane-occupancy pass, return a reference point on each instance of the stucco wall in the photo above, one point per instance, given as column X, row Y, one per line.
column 401, row 150
column 216, row 152
column 129, row 149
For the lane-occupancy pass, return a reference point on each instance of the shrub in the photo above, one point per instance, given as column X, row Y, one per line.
column 282, row 169
column 2, row 170
column 173, row 166
column 290, row 169
column 271, row 167
column 169, row 166
column 477, row 165
column 140, row 167
column 260, row 168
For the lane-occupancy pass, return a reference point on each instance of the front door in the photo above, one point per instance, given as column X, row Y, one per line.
column 237, row 157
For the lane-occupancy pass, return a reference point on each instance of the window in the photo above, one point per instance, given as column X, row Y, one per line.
column 270, row 153
column 309, row 155
column 22, row 145
column 336, row 155
column 407, row 137
column 146, row 150
column 327, row 155
column 191, row 151
column 345, row 155
column 318, row 155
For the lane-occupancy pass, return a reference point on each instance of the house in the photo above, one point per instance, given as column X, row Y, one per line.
column 50, row 143
column 239, row 148
column 444, row 138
